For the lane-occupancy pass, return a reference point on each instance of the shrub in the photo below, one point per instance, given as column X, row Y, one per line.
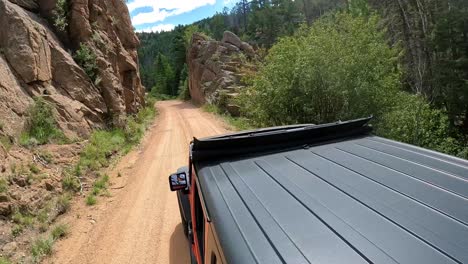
column 59, row 231
column 16, row 230
column 414, row 121
column 63, row 203
column 100, row 185
column 41, row 248
column 3, row 185
column 340, row 68
column 70, row 182
column 34, row 169
column 61, row 15
column 86, row 58
column 41, row 125
column 238, row 123
column 91, row 200
column 184, row 91
column 22, row 219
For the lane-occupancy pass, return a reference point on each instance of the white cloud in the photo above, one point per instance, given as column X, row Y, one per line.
column 158, row 28
column 163, row 9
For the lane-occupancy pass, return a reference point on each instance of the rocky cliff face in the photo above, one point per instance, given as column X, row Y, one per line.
column 215, row 69
column 36, row 59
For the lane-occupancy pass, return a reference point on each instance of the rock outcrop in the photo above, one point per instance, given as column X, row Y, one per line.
column 215, row 69
column 36, row 59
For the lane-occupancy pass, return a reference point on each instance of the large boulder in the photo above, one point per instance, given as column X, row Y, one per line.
column 231, row 38
column 215, row 69
column 36, row 60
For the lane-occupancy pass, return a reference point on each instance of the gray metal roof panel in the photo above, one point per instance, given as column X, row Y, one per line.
column 367, row 200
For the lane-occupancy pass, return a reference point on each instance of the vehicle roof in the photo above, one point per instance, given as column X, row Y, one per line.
column 362, row 199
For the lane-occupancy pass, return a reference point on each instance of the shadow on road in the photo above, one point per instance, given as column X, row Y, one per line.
column 179, row 247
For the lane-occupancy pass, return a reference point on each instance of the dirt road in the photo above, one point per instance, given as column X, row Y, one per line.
column 140, row 222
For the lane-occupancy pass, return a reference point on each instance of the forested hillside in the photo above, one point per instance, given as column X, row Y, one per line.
column 403, row 61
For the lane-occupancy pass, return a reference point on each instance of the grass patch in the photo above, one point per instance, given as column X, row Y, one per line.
column 3, row 185
column 100, row 185
column 17, row 230
column 91, row 200
column 70, row 182
column 239, row 123
column 63, row 203
column 23, row 219
column 41, row 125
column 34, row 169
column 60, row 231
column 41, row 248
column 104, row 144
column 4, row 260
column 6, row 142
column 101, row 147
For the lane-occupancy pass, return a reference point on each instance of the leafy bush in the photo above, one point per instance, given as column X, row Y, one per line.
column 86, row 58
column 340, row 68
column 61, row 15
column 41, row 125
column 184, row 91
column 414, row 121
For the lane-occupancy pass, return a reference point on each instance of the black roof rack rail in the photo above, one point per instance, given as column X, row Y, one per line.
column 275, row 138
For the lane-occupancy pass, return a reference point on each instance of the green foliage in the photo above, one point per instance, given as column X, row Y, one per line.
column 17, row 230
column 22, row 219
column 63, row 203
column 340, row 68
column 86, row 58
column 184, row 92
column 91, row 200
column 164, row 77
column 237, row 123
column 34, row 169
column 3, row 185
column 188, row 33
column 414, row 121
column 61, row 15
column 41, row 248
column 4, row 260
column 6, row 142
column 70, row 182
column 60, row 231
column 103, row 144
column 100, row 185
column 41, row 125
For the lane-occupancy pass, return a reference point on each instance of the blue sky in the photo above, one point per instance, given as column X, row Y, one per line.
column 157, row 15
